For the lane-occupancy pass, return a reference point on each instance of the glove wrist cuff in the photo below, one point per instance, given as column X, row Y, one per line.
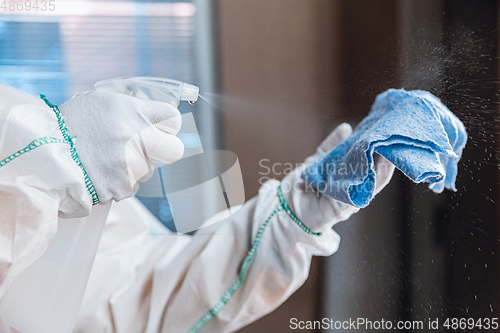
column 72, row 149
column 291, row 214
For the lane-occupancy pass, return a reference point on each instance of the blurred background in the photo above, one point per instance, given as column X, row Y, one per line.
column 280, row 75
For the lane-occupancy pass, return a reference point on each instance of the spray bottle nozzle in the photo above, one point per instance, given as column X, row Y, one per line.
column 189, row 93
column 152, row 88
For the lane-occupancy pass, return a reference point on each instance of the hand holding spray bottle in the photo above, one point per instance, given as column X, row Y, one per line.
column 47, row 296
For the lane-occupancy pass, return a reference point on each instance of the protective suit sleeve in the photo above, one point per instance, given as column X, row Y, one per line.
column 246, row 269
column 39, row 182
column 225, row 276
column 23, row 242
column 150, row 280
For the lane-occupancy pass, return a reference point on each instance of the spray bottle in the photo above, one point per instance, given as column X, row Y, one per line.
column 47, row 296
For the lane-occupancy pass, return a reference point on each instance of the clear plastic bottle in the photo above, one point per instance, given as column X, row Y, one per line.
column 46, row 297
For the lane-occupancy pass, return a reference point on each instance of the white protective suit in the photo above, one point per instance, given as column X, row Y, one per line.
column 146, row 278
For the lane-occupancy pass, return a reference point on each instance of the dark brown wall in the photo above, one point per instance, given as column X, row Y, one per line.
column 472, row 222
column 369, row 54
column 278, row 67
column 291, row 71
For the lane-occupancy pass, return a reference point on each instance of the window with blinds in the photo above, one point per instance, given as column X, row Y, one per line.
column 64, row 52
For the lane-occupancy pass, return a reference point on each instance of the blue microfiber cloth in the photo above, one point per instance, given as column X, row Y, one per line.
column 411, row 129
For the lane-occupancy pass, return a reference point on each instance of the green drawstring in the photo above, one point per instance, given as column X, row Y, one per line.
column 33, row 144
column 72, row 149
column 234, row 287
column 47, row 140
column 248, row 260
column 292, row 215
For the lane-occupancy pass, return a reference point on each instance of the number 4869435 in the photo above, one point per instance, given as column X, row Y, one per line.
column 28, row 5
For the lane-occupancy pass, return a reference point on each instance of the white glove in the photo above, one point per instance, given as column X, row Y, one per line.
column 118, row 138
column 315, row 210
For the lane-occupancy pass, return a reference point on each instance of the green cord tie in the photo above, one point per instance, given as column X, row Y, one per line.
column 234, row 287
column 248, row 260
column 292, row 215
column 32, row 145
column 72, row 149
